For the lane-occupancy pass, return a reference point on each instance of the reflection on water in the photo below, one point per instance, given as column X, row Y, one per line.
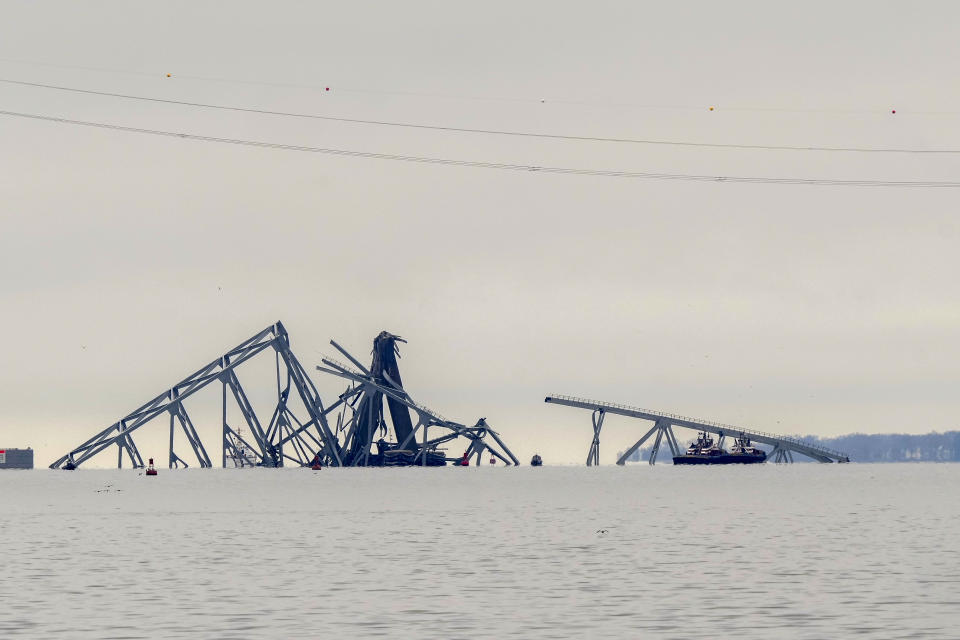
column 804, row 551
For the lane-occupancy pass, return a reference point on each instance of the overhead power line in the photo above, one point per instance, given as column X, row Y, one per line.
column 494, row 165
column 499, row 132
column 496, row 97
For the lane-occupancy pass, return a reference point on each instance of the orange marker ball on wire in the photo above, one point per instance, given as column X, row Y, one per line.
column 168, row 75
column 711, row 108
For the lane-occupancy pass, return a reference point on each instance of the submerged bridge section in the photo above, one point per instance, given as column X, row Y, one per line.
column 783, row 446
column 362, row 417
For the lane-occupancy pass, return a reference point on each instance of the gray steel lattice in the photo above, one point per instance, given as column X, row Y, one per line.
column 361, row 408
column 285, row 436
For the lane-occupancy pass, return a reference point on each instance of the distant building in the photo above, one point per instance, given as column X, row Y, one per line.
column 16, row 458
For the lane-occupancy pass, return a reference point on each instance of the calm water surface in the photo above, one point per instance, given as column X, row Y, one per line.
column 796, row 551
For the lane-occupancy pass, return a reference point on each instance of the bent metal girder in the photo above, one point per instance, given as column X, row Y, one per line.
column 354, row 415
column 783, row 446
column 283, row 437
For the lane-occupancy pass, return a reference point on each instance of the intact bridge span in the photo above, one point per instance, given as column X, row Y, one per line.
column 663, row 423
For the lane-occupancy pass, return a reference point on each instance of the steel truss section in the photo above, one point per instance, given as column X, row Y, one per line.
column 361, row 408
column 285, row 437
column 783, row 446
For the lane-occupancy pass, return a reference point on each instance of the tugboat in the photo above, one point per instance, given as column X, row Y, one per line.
column 706, row 451
column 536, row 460
column 742, row 447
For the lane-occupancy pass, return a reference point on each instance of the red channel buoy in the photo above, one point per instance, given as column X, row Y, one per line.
column 465, row 461
column 151, row 471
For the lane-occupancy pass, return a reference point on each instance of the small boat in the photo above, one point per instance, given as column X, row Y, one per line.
column 706, row 451
column 536, row 460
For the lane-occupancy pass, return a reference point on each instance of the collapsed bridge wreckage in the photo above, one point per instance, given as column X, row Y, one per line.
column 362, row 416
column 299, row 430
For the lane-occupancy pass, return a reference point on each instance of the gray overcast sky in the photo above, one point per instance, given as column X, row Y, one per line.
column 128, row 260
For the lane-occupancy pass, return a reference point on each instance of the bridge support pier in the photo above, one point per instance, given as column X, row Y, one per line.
column 664, row 431
column 780, row 454
column 593, row 457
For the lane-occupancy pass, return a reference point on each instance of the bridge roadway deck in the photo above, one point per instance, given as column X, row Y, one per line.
column 817, row 452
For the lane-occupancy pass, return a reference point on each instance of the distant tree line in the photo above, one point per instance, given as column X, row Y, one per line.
column 896, row 447
column 863, row 447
